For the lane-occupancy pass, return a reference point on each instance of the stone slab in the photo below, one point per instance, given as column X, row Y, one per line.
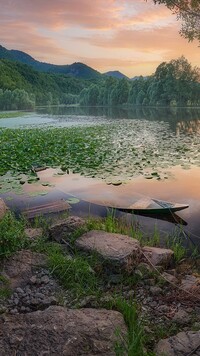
column 61, row 331
column 180, row 345
column 65, row 228
column 18, row 268
column 158, row 256
column 115, row 248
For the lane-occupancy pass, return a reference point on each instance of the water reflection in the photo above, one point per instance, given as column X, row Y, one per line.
column 181, row 120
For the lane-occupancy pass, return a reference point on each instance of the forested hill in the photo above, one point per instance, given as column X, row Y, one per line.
column 78, row 70
column 37, row 88
column 174, row 84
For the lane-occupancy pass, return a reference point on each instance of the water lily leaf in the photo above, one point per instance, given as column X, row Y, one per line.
column 73, row 200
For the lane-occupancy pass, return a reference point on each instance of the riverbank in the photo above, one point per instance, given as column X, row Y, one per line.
column 92, row 288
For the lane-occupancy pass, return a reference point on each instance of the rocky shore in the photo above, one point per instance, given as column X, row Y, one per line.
column 42, row 316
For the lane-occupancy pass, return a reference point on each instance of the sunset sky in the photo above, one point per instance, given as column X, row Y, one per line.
column 133, row 37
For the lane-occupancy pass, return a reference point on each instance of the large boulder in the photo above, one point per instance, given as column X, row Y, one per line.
column 115, row 250
column 3, row 208
column 64, row 229
column 158, row 256
column 61, row 331
column 183, row 344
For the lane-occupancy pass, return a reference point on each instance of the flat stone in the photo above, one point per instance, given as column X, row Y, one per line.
column 61, row 331
column 33, row 233
column 158, row 256
column 115, row 249
column 180, row 345
column 64, row 229
column 190, row 282
column 170, row 278
column 3, row 209
column 155, row 290
column 181, row 317
column 18, row 268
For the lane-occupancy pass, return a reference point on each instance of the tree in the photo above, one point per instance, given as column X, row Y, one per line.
column 189, row 12
column 176, row 81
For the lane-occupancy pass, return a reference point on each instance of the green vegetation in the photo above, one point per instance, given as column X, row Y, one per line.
column 114, row 155
column 189, row 13
column 83, row 275
column 8, row 115
column 136, row 335
column 12, row 236
column 5, row 291
column 22, row 87
column 76, row 69
column 174, row 84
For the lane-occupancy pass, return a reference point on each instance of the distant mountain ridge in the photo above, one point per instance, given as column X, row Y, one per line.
column 116, row 74
column 77, row 69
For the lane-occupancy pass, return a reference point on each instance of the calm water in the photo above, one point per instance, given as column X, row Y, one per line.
column 180, row 181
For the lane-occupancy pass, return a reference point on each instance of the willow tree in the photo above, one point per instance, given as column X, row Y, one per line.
column 188, row 11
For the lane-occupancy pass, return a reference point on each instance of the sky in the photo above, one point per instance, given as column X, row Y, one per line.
column 132, row 36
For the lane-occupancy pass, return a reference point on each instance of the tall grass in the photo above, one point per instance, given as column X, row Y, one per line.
column 12, row 236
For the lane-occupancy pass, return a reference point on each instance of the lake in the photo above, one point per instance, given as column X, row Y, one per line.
column 106, row 154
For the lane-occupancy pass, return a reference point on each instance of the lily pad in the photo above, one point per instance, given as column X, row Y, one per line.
column 73, row 200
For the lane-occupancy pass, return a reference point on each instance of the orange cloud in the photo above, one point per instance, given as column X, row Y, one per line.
column 132, row 35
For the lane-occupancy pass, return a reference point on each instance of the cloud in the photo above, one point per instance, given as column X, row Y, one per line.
column 134, row 35
column 101, row 14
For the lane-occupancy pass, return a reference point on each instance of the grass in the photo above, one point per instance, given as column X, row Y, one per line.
column 5, row 291
column 135, row 340
column 74, row 273
column 12, row 237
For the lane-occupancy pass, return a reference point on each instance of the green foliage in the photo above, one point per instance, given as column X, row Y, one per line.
column 176, row 243
column 74, row 273
column 12, row 236
column 136, row 337
column 174, row 84
column 5, row 290
column 189, row 13
column 24, row 87
column 8, row 115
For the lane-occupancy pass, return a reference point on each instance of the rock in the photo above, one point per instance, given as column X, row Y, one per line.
column 155, row 290
column 180, row 345
column 170, row 278
column 3, row 209
column 181, row 317
column 117, row 251
column 64, row 229
column 158, row 256
column 33, row 233
column 45, row 279
column 18, row 268
column 190, row 282
column 61, row 331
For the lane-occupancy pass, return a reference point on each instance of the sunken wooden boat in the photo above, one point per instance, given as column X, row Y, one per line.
column 151, row 206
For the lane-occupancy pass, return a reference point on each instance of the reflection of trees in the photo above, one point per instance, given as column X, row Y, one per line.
column 191, row 126
column 179, row 119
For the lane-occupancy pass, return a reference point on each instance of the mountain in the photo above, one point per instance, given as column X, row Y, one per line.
column 78, row 70
column 116, row 74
